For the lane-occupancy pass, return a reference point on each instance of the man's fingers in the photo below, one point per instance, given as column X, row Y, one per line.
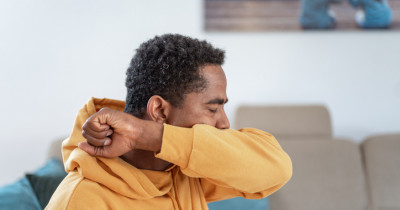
column 97, row 134
column 96, row 141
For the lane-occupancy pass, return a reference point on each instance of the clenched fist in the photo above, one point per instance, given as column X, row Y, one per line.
column 111, row 133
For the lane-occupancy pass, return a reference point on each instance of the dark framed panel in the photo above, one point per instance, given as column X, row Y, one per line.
column 276, row 15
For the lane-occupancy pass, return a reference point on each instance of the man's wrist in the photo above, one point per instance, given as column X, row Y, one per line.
column 150, row 136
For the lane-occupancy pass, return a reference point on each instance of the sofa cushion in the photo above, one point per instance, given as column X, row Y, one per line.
column 326, row 175
column 382, row 165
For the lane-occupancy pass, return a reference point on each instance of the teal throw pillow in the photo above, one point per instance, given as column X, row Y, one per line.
column 46, row 180
column 240, row 204
column 34, row 190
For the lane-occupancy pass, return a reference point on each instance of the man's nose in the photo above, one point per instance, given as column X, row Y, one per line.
column 223, row 122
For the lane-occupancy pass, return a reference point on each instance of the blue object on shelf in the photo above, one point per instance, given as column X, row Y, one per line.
column 374, row 13
column 240, row 204
column 315, row 14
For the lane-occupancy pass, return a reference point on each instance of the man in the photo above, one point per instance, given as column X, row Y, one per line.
column 171, row 147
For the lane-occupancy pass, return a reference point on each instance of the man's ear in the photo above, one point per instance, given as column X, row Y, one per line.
column 158, row 109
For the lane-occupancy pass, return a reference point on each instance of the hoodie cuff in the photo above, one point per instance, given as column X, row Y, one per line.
column 177, row 144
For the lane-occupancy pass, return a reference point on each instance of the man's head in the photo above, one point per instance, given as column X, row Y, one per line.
column 167, row 72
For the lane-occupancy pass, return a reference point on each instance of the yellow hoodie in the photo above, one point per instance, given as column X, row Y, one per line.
column 210, row 165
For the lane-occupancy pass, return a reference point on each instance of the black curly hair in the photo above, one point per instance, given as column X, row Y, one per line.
column 168, row 66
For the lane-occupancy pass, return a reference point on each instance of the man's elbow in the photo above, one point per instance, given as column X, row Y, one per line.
column 275, row 175
column 281, row 173
column 273, row 178
column 286, row 169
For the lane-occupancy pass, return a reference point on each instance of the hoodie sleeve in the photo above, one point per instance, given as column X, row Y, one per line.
column 246, row 162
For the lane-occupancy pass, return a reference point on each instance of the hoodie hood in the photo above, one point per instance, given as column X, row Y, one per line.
column 114, row 173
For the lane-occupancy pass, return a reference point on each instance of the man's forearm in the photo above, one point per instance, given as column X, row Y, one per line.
column 221, row 155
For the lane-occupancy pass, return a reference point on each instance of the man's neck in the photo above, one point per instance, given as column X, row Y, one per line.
column 142, row 159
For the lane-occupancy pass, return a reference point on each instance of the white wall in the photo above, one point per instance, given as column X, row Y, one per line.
column 55, row 55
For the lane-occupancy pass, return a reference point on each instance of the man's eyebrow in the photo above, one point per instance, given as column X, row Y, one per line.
column 217, row 101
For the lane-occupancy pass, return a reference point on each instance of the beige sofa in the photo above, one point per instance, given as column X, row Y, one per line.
column 328, row 173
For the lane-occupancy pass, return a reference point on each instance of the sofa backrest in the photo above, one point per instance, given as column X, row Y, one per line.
column 54, row 150
column 326, row 175
column 287, row 122
column 382, row 165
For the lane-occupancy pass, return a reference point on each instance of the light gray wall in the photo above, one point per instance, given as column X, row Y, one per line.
column 55, row 55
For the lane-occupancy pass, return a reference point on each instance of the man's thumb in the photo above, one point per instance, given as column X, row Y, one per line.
column 91, row 150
